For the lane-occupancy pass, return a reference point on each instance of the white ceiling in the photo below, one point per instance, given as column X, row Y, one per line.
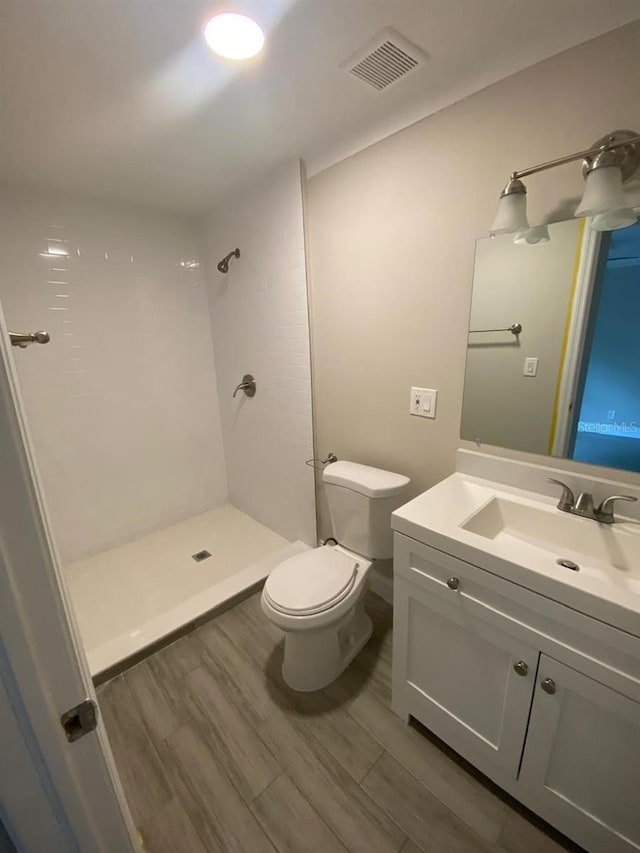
column 121, row 98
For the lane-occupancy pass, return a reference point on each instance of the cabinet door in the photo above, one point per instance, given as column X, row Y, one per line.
column 464, row 675
column 582, row 759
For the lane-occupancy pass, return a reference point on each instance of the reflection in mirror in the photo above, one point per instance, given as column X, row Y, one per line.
column 569, row 383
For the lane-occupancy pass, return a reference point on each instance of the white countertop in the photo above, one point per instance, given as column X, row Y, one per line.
column 608, row 590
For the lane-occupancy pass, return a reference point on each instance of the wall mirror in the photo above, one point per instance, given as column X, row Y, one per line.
column 553, row 357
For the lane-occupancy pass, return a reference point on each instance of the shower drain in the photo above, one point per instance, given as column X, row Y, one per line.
column 568, row 564
column 200, row 556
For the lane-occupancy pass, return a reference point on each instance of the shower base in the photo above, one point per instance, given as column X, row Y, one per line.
column 132, row 596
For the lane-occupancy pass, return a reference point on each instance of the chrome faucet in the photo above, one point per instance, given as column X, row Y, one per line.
column 584, row 505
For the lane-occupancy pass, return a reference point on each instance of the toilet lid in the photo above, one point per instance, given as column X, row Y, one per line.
column 311, row 582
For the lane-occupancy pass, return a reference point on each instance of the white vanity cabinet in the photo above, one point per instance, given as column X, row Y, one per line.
column 465, row 674
column 582, row 756
column 542, row 699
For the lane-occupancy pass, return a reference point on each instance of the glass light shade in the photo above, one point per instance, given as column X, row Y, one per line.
column 603, row 192
column 532, row 236
column 234, row 36
column 613, row 220
column 511, row 215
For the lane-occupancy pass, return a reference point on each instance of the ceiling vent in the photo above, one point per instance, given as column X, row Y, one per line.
column 386, row 59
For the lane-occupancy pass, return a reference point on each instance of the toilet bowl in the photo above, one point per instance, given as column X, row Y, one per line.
column 317, row 598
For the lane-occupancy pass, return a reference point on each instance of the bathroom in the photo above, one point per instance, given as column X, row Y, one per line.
column 347, row 219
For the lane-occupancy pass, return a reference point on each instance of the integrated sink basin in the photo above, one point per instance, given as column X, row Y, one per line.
column 522, row 537
column 610, row 553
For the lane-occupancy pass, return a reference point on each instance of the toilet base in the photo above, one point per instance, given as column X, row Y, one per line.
column 313, row 659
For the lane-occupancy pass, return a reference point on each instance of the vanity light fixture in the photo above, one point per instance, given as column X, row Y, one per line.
column 234, row 36
column 512, row 210
column 532, row 236
column 614, row 220
column 610, row 162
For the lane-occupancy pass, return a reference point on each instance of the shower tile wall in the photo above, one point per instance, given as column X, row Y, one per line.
column 261, row 326
column 122, row 404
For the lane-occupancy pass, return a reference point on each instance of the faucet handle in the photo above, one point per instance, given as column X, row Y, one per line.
column 248, row 385
column 567, row 498
column 604, row 513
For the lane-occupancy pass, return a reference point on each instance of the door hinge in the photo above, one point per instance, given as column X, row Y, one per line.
column 80, row 720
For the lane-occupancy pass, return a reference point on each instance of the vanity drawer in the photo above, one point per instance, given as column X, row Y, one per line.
column 599, row 650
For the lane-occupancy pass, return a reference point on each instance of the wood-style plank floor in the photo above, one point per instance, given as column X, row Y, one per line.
column 217, row 755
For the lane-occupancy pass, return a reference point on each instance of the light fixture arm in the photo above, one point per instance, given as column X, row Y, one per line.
column 606, row 165
column 611, row 142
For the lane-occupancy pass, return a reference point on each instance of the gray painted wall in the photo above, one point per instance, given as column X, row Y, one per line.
column 392, row 235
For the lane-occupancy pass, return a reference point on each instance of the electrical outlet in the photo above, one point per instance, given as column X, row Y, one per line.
column 423, row 402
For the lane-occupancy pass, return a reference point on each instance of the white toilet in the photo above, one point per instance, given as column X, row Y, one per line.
column 317, row 598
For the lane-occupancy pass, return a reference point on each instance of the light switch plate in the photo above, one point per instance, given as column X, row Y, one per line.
column 423, row 402
column 530, row 367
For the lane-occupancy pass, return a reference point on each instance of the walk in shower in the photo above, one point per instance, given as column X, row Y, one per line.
column 166, row 494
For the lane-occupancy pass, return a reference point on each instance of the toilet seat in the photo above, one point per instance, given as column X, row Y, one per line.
column 312, row 582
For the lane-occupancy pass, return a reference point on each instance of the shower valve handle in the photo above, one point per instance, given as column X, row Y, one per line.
column 248, row 385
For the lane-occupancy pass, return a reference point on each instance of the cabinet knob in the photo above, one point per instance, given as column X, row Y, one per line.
column 521, row 668
column 453, row 583
column 548, row 685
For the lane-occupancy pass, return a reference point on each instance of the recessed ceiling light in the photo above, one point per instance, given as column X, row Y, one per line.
column 234, row 36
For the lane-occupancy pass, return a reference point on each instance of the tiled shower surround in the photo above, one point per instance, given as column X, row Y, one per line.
column 260, row 324
column 122, row 403
column 130, row 405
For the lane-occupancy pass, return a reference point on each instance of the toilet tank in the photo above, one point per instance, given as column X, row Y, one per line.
column 361, row 500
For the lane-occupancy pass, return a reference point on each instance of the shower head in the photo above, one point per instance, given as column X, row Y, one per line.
column 223, row 266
